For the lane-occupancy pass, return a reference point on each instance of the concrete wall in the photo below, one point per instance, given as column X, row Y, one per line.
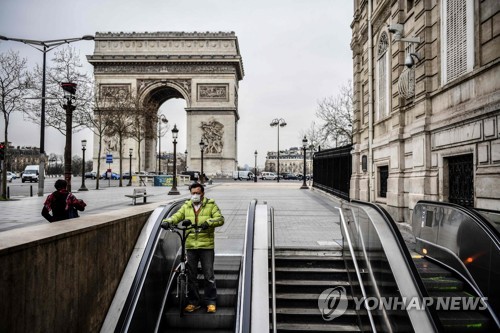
column 62, row 277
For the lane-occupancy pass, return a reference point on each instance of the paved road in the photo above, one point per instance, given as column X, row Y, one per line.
column 304, row 218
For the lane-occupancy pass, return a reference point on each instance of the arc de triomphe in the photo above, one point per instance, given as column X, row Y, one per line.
column 203, row 68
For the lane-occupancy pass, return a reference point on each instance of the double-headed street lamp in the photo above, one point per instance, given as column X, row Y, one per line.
column 164, row 120
column 130, row 150
column 173, row 190
column 304, row 149
column 278, row 123
column 202, row 148
column 44, row 46
column 255, row 174
column 83, row 188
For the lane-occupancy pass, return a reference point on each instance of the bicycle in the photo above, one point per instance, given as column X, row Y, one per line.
column 181, row 229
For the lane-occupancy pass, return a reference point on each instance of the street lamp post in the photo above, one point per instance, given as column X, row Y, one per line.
column 255, row 174
column 173, row 190
column 304, row 149
column 130, row 150
column 83, row 188
column 278, row 123
column 186, row 165
column 202, row 148
column 69, row 94
column 44, row 46
column 161, row 119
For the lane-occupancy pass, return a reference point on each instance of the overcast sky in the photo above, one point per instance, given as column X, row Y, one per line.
column 295, row 52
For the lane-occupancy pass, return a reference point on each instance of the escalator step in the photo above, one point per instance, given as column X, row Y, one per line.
column 442, row 283
column 463, row 321
column 326, row 327
column 224, row 318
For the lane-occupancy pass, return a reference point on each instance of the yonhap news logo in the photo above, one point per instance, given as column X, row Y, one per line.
column 332, row 303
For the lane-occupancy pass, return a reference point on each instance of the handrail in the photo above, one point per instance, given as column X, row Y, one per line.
column 134, row 293
column 356, row 267
column 474, row 214
column 273, row 272
column 244, row 310
column 417, row 281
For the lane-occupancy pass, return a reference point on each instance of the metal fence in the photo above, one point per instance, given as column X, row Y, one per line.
column 332, row 171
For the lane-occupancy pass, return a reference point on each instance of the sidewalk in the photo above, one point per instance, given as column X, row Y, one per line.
column 303, row 218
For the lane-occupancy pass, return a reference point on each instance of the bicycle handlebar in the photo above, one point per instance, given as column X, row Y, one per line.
column 183, row 225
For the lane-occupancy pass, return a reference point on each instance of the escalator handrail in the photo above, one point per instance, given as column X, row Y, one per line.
column 134, row 293
column 480, row 220
column 244, row 306
column 410, row 265
column 273, row 272
column 356, row 267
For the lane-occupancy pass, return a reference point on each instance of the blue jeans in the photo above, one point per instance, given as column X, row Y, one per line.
column 206, row 257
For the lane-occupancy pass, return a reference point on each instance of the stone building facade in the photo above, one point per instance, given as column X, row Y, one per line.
column 426, row 103
column 291, row 161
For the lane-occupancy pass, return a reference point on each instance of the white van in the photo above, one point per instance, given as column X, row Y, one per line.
column 30, row 173
column 268, row 175
column 240, row 175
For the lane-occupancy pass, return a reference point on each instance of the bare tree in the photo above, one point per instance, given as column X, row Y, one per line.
column 337, row 115
column 315, row 136
column 121, row 113
column 14, row 83
column 66, row 67
column 144, row 114
column 99, row 121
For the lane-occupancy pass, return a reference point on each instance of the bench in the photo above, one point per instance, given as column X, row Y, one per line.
column 138, row 193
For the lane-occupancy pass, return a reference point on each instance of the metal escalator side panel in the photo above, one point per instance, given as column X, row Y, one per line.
column 260, row 273
column 243, row 309
column 380, row 248
column 140, row 273
column 462, row 239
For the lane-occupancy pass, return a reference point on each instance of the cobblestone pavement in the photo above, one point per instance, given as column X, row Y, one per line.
column 303, row 218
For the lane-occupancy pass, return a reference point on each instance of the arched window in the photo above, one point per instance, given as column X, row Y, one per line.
column 382, row 93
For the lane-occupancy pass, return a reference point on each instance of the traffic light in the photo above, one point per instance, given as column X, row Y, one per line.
column 2, row 151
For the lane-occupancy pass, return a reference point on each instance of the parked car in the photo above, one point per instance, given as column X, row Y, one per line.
column 290, row 176
column 268, row 175
column 126, row 175
column 92, row 175
column 240, row 175
column 193, row 175
column 30, row 174
column 14, row 175
column 113, row 175
column 9, row 177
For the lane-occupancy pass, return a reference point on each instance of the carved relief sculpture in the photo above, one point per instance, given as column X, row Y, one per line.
column 212, row 133
column 212, row 92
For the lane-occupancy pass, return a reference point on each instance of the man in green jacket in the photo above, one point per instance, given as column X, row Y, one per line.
column 203, row 213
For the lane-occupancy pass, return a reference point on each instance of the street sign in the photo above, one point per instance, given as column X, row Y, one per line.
column 109, row 158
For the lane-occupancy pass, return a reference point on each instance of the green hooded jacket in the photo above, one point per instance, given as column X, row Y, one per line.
column 210, row 213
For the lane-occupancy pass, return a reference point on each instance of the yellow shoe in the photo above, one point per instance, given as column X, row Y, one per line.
column 191, row 308
column 211, row 308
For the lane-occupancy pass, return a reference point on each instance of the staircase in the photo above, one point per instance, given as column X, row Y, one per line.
column 301, row 276
column 223, row 321
column 441, row 284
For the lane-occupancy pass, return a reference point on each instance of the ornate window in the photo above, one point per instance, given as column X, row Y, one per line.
column 457, row 38
column 382, row 72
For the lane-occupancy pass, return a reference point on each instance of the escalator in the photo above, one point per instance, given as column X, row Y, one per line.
column 452, row 265
column 145, row 302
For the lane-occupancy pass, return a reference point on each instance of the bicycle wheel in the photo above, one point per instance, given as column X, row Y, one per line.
column 182, row 294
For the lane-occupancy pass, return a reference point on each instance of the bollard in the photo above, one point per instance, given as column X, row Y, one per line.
column 8, row 192
column 31, row 190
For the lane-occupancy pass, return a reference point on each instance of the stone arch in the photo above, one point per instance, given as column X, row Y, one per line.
column 204, row 69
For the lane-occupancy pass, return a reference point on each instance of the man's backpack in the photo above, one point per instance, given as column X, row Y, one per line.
column 58, row 206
